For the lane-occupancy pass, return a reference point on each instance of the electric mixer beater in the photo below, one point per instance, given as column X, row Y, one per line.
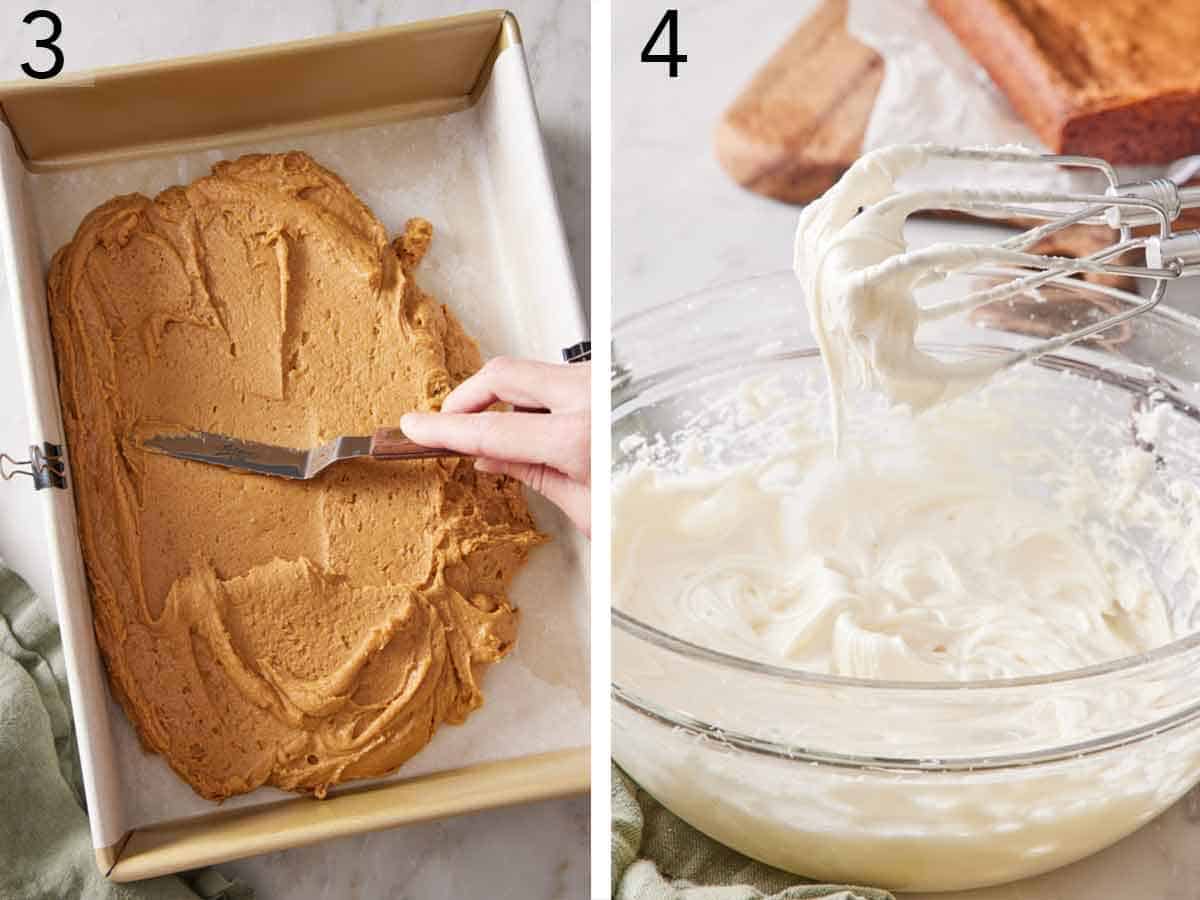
column 1165, row 255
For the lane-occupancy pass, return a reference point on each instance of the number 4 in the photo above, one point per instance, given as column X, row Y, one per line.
column 670, row 22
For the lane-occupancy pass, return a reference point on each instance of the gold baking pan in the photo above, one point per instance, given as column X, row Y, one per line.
column 219, row 837
column 116, row 116
column 322, row 84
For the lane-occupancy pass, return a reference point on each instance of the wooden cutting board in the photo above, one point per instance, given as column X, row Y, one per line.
column 800, row 122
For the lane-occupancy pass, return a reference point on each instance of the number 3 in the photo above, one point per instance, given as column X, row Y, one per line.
column 46, row 43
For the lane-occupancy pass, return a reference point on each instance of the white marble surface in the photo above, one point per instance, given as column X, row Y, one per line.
column 529, row 852
column 681, row 225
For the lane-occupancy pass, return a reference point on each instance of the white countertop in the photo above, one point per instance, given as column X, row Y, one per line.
column 532, row 852
column 681, row 225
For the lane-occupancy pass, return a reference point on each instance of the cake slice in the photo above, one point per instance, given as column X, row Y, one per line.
column 1117, row 79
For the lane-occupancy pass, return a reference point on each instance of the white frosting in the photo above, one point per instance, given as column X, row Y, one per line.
column 1021, row 540
column 908, row 555
column 859, row 281
column 934, row 833
column 915, row 555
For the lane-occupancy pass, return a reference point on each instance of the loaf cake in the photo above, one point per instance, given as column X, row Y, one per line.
column 1116, row 79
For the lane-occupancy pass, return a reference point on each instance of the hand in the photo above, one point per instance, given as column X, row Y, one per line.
column 549, row 452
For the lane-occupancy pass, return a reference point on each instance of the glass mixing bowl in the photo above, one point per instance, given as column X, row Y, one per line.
column 904, row 785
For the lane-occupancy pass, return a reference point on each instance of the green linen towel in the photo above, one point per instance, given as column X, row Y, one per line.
column 656, row 856
column 45, row 846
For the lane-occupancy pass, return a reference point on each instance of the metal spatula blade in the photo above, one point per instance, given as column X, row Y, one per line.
column 287, row 462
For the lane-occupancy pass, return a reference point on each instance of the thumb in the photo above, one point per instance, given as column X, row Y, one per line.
column 571, row 497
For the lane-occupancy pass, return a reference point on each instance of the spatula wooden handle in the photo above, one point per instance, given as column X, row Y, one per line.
column 392, row 443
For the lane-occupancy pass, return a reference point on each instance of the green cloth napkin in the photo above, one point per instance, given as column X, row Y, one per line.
column 45, row 846
column 656, row 856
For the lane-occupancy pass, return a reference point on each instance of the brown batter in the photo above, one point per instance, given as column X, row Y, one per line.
column 258, row 630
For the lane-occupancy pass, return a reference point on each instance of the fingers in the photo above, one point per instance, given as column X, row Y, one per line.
column 560, row 440
column 571, row 497
column 551, row 454
column 523, row 383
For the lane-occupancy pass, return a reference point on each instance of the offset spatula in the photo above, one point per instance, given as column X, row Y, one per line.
column 285, row 462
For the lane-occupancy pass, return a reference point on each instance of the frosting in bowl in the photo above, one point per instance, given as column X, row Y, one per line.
column 918, row 552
